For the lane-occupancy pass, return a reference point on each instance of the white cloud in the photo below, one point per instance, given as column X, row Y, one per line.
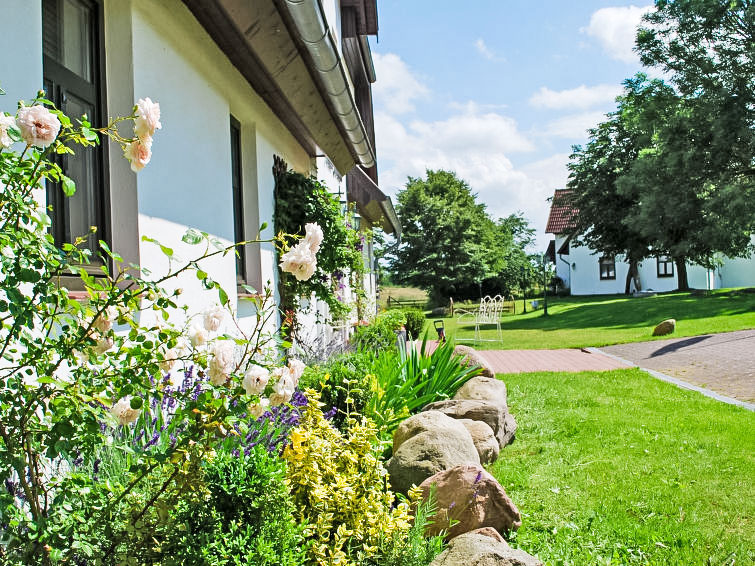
column 582, row 97
column 615, row 28
column 396, row 87
column 573, row 126
column 485, row 51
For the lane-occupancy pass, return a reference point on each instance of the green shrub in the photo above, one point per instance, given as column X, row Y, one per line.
column 245, row 516
column 344, row 383
column 340, row 489
column 406, row 384
column 415, row 323
column 381, row 334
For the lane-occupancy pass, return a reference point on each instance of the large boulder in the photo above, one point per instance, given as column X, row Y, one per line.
column 473, row 358
column 427, row 453
column 476, row 549
column 468, row 498
column 424, row 422
column 483, row 437
column 666, row 327
column 495, row 416
column 481, row 388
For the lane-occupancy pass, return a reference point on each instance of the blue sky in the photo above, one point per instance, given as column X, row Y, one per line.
column 497, row 90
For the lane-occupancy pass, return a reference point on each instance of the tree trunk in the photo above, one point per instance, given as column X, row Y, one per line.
column 681, row 274
column 633, row 273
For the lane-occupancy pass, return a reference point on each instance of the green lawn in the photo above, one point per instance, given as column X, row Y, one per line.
column 577, row 322
column 620, row 468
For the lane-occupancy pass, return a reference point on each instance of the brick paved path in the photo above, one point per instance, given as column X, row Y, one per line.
column 518, row 361
column 723, row 362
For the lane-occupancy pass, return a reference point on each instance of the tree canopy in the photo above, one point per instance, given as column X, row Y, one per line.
column 450, row 244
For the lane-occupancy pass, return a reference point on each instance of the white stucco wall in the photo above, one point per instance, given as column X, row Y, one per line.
column 21, row 46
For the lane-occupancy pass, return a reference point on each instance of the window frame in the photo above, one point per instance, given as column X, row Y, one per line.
column 667, row 262
column 609, row 274
column 237, row 189
column 64, row 81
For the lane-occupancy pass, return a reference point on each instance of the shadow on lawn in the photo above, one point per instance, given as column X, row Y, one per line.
column 628, row 312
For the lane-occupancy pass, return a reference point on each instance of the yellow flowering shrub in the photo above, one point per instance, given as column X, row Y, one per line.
column 340, row 488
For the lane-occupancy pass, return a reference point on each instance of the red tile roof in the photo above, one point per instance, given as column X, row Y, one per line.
column 561, row 217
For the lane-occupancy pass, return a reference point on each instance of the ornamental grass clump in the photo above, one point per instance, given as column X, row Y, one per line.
column 340, row 488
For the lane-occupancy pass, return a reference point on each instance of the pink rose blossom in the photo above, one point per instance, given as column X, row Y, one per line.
column 139, row 152
column 147, row 119
column 38, row 125
column 6, row 122
column 299, row 261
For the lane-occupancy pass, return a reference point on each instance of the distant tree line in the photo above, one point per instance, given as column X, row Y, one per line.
column 672, row 170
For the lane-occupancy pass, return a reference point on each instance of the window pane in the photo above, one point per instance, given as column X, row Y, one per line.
column 68, row 35
column 82, row 206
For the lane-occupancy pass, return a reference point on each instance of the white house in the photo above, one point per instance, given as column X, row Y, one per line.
column 239, row 82
column 587, row 273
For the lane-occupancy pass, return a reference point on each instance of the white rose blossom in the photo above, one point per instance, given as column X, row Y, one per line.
column 222, row 362
column 283, row 388
column 198, row 336
column 297, row 369
column 123, row 412
column 6, row 122
column 138, row 153
column 104, row 343
column 256, row 379
column 38, row 125
column 300, row 261
column 147, row 118
column 313, row 236
column 256, row 410
column 170, row 357
column 104, row 321
column 213, row 318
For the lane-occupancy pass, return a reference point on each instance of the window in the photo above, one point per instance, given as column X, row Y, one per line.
column 607, row 268
column 665, row 266
column 238, row 199
column 71, row 40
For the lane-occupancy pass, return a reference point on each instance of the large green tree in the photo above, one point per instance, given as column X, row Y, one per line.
column 449, row 242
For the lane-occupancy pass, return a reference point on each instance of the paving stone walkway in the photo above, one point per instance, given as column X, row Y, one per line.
column 724, row 362
column 519, row 361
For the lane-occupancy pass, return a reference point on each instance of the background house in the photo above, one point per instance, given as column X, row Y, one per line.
column 587, row 272
column 238, row 82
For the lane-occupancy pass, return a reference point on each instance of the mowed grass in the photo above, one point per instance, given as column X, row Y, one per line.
column 578, row 322
column 620, row 468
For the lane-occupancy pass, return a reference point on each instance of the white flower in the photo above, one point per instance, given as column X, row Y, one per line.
column 6, row 122
column 213, row 318
column 198, row 336
column 283, row 388
column 147, row 118
column 297, row 369
column 255, row 380
column 123, row 412
column 278, row 399
column 104, row 322
column 38, row 125
column 299, row 261
column 257, row 409
column 104, row 343
column 138, row 153
column 170, row 356
column 313, row 237
column 222, row 362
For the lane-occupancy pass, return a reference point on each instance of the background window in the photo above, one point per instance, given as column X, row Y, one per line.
column 238, row 199
column 607, row 268
column 72, row 79
column 665, row 266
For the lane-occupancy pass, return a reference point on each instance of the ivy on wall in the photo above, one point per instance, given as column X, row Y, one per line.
column 298, row 200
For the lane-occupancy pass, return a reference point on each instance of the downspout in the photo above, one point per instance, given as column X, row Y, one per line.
column 312, row 28
column 568, row 265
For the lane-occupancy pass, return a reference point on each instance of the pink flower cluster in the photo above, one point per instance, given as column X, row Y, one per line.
column 139, row 151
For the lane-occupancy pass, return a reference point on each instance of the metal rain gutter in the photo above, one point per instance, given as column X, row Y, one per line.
column 313, row 30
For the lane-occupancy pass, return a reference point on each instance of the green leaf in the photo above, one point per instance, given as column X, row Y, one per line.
column 166, row 250
column 136, row 403
column 192, row 236
column 222, row 295
column 69, row 187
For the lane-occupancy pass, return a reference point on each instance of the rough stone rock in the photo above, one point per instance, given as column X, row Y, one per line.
column 475, row 549
column 481, row 388
column 427, row 453
column 483, row 437
column 474, row 358
column 423, row 422
column 488, row 532
column 469, row 498
column 666, row 327
column 495, row 416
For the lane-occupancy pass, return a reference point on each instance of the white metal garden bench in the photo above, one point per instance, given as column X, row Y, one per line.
column 490, row 311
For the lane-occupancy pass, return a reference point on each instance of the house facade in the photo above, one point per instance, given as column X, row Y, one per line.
column 239, row 83
column 586, row 272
